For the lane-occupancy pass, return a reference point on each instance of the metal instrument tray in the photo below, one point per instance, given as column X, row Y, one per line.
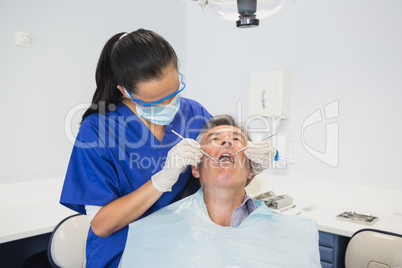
column 357, row 218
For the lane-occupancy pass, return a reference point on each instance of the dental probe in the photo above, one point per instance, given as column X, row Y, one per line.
column 180, row 136
column 263, row 139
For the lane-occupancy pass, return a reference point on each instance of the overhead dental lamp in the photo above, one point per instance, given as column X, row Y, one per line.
column 246, row 13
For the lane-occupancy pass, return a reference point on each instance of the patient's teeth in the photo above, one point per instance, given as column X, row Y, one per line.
column 226, row 158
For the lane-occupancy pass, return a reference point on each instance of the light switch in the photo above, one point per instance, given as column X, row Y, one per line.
column 270, row 93
column 22, row 39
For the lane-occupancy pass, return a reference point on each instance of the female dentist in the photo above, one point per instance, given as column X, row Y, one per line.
column 126, row 162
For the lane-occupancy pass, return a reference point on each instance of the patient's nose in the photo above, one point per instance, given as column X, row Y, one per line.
column 226, row 143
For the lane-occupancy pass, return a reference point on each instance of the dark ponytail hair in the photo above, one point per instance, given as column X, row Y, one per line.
column 140, row 56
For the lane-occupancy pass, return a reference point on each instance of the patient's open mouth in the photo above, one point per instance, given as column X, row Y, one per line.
column 226, row 158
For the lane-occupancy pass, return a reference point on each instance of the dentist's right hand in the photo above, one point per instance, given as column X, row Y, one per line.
column 185, row 153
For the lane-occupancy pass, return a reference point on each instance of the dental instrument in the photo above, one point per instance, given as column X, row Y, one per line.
column 288, row 208
column 263, row 139
column 180, row 136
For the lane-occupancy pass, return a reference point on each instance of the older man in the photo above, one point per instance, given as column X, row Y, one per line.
column 220, row 226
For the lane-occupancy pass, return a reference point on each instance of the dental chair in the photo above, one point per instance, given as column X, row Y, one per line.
column 370, row 248
column 67, row 244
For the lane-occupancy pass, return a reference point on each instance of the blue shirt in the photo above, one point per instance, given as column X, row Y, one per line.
column 114, row 154
column 240, row 213
column 183, row 235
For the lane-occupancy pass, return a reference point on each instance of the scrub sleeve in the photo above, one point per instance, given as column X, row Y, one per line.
column 115, row 154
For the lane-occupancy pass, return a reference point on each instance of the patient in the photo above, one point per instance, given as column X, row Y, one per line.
column 220, row 226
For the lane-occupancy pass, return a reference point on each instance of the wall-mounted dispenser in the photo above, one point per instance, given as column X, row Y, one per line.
column 270, row 101
column 270, row 93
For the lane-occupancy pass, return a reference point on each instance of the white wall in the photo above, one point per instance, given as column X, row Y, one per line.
column 41, row 83
column 346, row 51
column 336, row 50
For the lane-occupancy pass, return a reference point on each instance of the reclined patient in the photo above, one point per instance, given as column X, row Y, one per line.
column 220, row 226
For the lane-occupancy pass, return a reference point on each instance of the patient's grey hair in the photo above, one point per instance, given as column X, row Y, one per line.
column 221, row 120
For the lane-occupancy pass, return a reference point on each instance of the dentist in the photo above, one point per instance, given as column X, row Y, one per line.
column 126, row 163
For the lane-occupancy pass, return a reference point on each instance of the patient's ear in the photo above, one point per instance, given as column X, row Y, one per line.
column 250, row 175
column 195, row 172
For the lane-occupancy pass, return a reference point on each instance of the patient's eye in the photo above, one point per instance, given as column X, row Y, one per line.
column 213, row 141
column 239, row 139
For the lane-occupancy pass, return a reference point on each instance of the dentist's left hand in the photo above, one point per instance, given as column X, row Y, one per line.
column 261, row 154
column 185, row 153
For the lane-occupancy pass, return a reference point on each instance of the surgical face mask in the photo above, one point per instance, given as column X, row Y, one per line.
column 160, row 114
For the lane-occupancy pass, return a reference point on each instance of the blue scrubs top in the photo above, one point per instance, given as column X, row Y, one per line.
column 113, row 155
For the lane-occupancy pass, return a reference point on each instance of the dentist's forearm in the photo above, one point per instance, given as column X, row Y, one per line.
column 124, row 210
